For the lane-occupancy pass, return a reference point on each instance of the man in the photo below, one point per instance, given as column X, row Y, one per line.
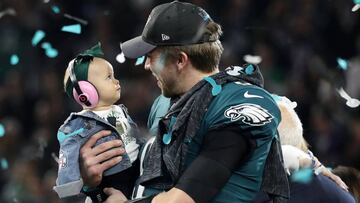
column 217, row 132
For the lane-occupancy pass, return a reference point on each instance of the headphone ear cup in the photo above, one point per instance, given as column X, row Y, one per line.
column 89, row 94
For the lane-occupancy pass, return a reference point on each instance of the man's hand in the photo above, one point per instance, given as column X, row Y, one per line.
column 95, row 160
column 174, row 195
column 115, row 196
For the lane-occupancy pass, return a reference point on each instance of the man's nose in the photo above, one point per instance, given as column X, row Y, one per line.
column 147, row 64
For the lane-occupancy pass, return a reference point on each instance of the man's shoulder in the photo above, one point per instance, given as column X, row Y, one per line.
column 240, row 88
column 236, row 93
column 244, row 105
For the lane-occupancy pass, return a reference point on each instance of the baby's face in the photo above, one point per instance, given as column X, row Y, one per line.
column 101, row 75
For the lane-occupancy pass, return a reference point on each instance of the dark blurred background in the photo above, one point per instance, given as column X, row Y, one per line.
column 299, row 42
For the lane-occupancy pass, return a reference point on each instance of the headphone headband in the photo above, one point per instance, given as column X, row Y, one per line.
column 83, row 98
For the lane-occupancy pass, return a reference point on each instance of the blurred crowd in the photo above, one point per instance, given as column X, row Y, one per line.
column 299, row 43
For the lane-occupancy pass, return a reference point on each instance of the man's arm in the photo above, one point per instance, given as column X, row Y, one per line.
column 222, row 152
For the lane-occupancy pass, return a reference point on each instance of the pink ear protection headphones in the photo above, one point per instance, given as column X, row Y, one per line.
column 84, row 92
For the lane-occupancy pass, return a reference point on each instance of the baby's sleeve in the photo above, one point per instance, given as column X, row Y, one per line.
column 68, row 182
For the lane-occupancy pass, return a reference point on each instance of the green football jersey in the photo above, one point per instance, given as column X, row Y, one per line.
column 255, row 113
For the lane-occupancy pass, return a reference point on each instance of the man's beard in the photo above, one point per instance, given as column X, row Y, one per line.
column 168, row 89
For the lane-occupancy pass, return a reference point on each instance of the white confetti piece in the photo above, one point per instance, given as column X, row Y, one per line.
column 252, row 59
column 82, row 21
column 355, row 8
column 120, row 58
column 350, row 102
column 55, row 157
column 9, row 11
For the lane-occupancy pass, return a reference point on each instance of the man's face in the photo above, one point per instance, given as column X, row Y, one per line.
column 164, row 71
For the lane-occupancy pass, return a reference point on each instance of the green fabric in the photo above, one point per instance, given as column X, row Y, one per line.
column 159, row 108
column 81, row 66
column 246, row 180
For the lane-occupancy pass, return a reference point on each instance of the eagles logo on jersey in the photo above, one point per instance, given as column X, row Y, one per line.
column 250, row 114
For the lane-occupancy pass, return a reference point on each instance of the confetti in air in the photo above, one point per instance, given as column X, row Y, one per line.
column 82, row 21
column 49, row 51
column 4, row 164
column 249, row 69
column 356, row 6
column 302, row 176
column 55, row 157
column 76, row 28
column 343, row 64
column 14, row 59
column 350, row 102
column 2, row 130
column 9, row 11
column 120, row 58
column 140, row 60
column 55, row 9
column 46, row 45
column 252, row 59
column 38, row 36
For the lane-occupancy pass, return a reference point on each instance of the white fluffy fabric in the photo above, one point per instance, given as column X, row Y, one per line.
column 294, row 158
column 290, row 128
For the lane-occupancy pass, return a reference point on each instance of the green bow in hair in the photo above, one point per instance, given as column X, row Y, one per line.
column 81, row 66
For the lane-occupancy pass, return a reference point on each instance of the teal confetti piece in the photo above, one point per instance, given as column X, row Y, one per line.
column 76, row 28
column 167, row 138
column 140, row 60
column 2, row 130
column 302, row 176
column 356, row 1
column 4, row 164
column 51, row 53
column 216, row 89
column 249, row 69
column 46, row 45
column 276, row 97
column 38, row 36
column 343, row 64
column 55, row 9
column 14, row 59
column 62, row 136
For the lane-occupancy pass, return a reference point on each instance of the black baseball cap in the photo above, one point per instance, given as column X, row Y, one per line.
column 170, row 24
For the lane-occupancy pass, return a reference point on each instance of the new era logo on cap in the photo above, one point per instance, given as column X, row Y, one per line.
column 164, row 37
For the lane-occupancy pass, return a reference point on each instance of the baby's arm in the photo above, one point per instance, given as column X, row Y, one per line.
column 69, row 182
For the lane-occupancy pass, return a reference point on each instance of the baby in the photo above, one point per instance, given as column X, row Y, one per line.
column 89, row 80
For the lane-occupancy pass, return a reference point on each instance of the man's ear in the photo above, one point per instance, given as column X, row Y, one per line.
column 183, row 60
